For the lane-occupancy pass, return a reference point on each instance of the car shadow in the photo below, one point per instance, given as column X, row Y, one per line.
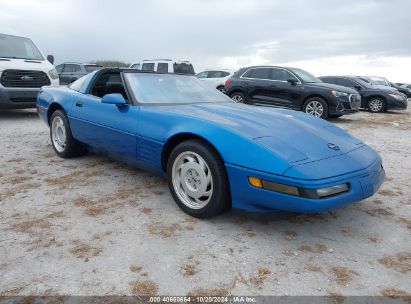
column 18, row 114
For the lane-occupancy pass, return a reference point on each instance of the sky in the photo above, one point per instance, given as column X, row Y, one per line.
column 325, row 37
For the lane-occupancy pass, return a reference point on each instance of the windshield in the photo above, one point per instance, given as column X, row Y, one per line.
column 379, row 81
column 171, row 88
column 305, row 76
column 18, row 48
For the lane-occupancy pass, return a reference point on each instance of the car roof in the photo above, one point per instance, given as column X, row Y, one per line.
column 83, row 63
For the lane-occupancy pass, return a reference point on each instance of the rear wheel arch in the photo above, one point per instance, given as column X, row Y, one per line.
column 53, row 108
column 175, row 140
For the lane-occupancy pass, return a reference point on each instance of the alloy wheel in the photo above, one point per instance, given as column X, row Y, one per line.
column 314, row 108
column 192, row 180
column 376, row 105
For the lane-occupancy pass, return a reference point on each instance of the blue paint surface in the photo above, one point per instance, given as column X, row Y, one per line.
column 276, row 145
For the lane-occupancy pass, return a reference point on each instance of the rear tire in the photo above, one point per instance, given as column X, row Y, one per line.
column 376, row 105
column 239, row 97
column 62, row 140
column 220, row 88
column 317, row 107
column 198, row 180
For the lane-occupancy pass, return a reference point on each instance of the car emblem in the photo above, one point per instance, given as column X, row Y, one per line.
column 26, row 78
column 334, row 147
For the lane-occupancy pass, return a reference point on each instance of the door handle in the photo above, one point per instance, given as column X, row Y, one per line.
column 79, row 104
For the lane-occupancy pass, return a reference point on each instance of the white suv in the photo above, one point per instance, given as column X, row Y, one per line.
column 23, row 71
column 166, row 66
column 216, row 78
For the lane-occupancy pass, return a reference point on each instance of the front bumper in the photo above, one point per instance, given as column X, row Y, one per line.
column 393, row 103
column 362, row 184
column 18, row 98
column 345, row 105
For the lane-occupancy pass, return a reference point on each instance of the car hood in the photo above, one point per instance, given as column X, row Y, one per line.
column 23, row 64
column 293, row 136
column 330, row 86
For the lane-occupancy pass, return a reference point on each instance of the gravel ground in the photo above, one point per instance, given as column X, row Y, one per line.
column 90, row 226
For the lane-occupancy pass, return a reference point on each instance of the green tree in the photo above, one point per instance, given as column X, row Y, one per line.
column 112, row 63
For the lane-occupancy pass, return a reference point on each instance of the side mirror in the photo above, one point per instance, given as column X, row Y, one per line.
column 115, row 99
column 358, row 88
column 50, row 58
column 293, row 81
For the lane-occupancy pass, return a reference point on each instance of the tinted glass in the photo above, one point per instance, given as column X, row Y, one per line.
column 18, row 47
column 281, row 75
column 346, row 83
column 183, row 68
column 59, row 68
column 172, row 88
column 259, row 73
column 329, row 80
column 69, row 68
column 305, row 76
column 148, row 67
column 215, row 74
column 162, row 67
column 135, row 66
column 92, row 68
column 202, row 75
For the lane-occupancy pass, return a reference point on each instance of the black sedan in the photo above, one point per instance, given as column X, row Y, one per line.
column 375, row 98
column 291, row 88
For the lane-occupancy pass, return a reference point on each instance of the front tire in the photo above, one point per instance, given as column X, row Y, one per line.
column 316, row 106
column 239, row 97
column 62, row 140
column 198, row 180
column 376, row 105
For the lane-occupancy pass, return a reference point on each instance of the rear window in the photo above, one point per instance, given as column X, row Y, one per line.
column 147, row 67
column 183, row 68
column 92, row 68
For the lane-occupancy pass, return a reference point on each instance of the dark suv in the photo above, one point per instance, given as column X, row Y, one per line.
column 70, row 71
column 375, row 98
column 291, row 88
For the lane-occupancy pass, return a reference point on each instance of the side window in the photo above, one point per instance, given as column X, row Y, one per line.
column 77, row 68
column 108, row 83
column 346, row 83
column 69, row 68
column 225, row 74
column 281, row 75
column 259, row 73
column 59, row 68
column 329, row 80
column 135, row 66
column 162, row 67
column 148, row 66
column 215, row 74
column 202, row 74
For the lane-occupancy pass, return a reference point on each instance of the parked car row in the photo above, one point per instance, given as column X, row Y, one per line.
column 25, row 70
column 328, row 96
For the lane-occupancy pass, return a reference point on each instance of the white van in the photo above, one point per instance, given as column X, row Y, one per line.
column 23, row 71
column 166, row 66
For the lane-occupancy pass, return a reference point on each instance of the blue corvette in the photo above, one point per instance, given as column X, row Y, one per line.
column 216, row 154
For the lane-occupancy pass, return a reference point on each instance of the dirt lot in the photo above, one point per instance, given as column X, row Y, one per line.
column 90, row 226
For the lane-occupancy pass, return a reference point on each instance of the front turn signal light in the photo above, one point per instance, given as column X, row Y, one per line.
column 255, row 181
